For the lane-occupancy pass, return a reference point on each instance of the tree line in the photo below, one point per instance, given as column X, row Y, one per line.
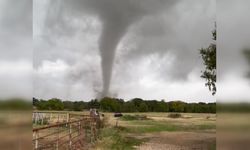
column 108, row 104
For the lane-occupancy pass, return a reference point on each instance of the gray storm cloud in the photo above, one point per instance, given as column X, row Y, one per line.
column 116, row 17
column 158, row 26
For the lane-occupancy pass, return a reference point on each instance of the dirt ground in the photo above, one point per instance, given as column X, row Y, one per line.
column 178, row 141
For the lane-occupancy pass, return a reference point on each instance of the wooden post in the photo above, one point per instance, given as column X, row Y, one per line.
column 36, row 141
column 91, row 132
column 116, row 124
column 79, row 127
column 67, row 119
column 36, row 117
column 58, row 118
column 86, row 129
column 70, row 137
column 33, row 117
column 57, row 141
column 42, row 119
column 50, row 117
column 95, row 134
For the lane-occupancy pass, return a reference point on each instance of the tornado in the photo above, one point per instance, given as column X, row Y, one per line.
column 112, row 33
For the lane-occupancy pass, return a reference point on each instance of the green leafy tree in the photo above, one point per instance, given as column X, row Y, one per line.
column 78, row 106
column 94, row 103
column 143, row 107
column 209, row 60
column 111, row 104
column 162, row 107
column 68, row 105
column 42, row 105
column 55, row 104
column 152, row 105
column 35, row 102
column 129, row 107
column 176, row 106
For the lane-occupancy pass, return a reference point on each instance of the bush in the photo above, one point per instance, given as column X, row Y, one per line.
column 174, row 115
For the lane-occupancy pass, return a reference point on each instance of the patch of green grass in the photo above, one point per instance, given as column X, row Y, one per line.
column 134, row 117
column 151, row 126
column 205, row 126
column 148, row 126
column 113, row 139
column 212, row 146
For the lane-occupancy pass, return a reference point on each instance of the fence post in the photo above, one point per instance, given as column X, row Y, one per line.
column 50, row 117
column 67, row 119
column 58, row 118
column 95, row 136
column 86, row 129
column 36, row 141
column 36, row 117
column 33, row 117
column 57, row 141
column 79, row 127
column 93, row 130
column 42, row 119
column 70, row 137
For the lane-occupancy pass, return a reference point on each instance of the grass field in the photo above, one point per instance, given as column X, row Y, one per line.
column 158, row 131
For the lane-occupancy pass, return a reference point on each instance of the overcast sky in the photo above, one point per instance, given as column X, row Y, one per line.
column 155, row 58
column 233, row 24
column 155, row 55
column 15, row 48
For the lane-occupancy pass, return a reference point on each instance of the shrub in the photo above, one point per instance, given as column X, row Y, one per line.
column 174, row 115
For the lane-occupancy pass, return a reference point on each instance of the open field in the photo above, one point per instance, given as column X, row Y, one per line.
column 159, row 132
column 153, row 131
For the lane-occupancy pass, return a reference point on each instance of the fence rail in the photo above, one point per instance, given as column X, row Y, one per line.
column 73, row 134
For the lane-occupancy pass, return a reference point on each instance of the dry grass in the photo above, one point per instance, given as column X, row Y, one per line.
column 160, row 132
